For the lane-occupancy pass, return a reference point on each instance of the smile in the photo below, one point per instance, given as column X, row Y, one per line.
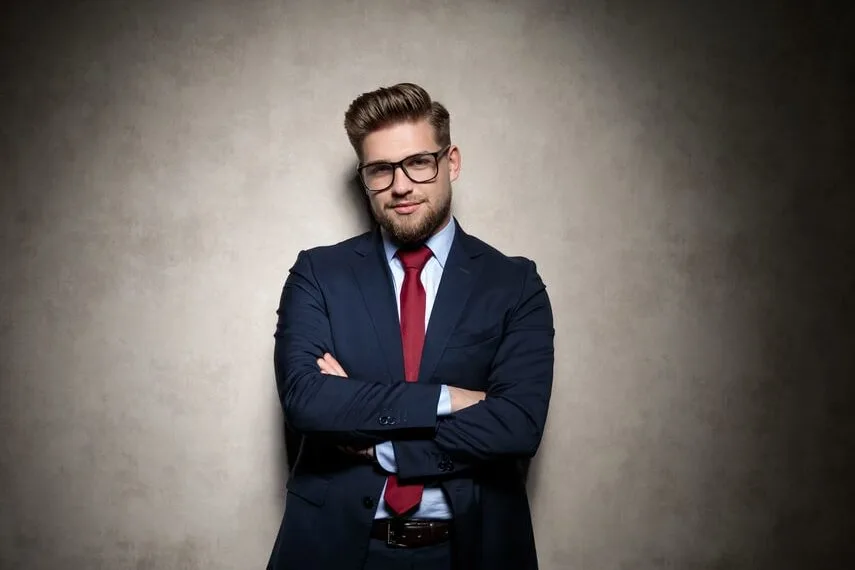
column 406, row 208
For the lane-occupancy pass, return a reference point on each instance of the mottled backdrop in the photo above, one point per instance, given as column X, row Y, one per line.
column 677, row 170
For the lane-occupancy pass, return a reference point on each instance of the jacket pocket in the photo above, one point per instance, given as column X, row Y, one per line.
column 309, row 487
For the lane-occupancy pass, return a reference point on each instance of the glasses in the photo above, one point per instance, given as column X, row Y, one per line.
column 420, row 168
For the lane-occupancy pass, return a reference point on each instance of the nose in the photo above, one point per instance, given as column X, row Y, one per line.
column 401, row 183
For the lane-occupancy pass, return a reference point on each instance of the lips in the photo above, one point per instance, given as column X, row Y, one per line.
column 406, row 207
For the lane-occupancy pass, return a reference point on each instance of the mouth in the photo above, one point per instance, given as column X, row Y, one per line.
column 405, row 208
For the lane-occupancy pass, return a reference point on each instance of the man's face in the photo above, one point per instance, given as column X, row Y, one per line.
column 409, row 211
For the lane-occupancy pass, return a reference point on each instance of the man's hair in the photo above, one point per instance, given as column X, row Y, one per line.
column 387, row 106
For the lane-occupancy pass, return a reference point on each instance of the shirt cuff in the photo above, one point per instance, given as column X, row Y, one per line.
column 443, row 407
column 385, row 454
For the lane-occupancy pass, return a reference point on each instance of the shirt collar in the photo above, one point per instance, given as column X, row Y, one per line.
column 439, row 243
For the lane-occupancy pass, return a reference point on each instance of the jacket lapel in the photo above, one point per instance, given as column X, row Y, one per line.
column 375, row 283
column 455, row 287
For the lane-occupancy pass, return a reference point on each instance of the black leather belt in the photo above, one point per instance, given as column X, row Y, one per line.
column 406, row 533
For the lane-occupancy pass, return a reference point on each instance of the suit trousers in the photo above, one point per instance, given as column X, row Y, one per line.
column 383, row 557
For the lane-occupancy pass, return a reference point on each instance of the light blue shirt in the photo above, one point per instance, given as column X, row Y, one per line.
column 433, row 504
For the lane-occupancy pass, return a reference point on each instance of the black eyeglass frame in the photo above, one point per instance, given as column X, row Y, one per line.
column 394, row 165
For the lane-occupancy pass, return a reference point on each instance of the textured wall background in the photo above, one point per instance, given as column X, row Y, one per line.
column 676, row 168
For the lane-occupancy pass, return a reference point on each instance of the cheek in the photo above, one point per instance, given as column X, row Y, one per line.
column 435, row 192
column 376, row 204
column 440, row 194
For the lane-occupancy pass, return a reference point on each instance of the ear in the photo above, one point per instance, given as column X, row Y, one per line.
column 454, row 162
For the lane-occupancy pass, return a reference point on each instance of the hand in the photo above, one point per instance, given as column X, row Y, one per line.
column 330, row 365
column 462, row 398
column 367, row 453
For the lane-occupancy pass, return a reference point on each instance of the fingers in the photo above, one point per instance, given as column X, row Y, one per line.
column 327, row 367
column 330, row 365
column 462, row 398
column 367, row 453
column 334, row 364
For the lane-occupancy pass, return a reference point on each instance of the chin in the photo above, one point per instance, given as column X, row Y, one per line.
column 408, row 231
column 413, row 228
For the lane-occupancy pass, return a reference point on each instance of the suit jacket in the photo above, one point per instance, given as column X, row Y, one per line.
column 491, row 329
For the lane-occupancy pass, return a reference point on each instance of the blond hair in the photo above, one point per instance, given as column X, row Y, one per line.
column 387, row 106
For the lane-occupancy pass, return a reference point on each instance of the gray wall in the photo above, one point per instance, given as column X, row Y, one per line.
column 676, row 169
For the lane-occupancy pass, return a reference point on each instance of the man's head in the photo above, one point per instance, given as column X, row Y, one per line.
column 406, row 160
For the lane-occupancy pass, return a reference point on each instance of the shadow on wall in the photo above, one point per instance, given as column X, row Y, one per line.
column 355, row 195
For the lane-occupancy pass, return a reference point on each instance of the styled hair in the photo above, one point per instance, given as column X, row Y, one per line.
column 387, row 106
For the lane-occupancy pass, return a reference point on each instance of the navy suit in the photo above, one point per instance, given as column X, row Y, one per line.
column 491, row 330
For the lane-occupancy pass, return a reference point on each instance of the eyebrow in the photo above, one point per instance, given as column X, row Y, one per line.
column 373, row 162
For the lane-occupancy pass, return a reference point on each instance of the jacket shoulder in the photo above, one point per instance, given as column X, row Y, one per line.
column 499, row 259
column 360, row 242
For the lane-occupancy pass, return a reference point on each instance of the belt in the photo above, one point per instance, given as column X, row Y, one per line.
column 406, row 533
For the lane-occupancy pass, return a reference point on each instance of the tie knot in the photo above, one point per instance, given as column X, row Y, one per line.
column 414, row 258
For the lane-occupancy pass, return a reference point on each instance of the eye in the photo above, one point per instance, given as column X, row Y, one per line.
column 420, row 161
column 377, row 169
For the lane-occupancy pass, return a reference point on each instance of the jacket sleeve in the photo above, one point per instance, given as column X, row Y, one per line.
column 509, row 422
column 318, row 404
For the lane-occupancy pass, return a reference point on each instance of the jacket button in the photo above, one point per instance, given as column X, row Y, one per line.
column 391, row 421
column 367, row 502
column 383, row 420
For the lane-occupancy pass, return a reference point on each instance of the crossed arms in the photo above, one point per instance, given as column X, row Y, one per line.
column 508, row 422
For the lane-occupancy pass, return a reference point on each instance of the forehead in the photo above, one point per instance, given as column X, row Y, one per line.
column 398, row 141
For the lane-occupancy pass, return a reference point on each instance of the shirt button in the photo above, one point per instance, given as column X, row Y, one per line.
column 367, row 502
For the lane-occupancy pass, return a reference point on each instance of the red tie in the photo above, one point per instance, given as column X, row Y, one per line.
column 401, row 498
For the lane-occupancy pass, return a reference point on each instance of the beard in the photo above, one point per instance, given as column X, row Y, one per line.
column 410, row 230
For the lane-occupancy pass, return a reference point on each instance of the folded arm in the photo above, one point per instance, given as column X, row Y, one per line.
column 509, row 422
column 315, row 403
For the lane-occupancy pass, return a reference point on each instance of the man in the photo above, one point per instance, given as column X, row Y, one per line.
column 416, row 363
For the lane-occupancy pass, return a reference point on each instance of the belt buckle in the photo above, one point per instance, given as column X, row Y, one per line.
column 390, row 537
